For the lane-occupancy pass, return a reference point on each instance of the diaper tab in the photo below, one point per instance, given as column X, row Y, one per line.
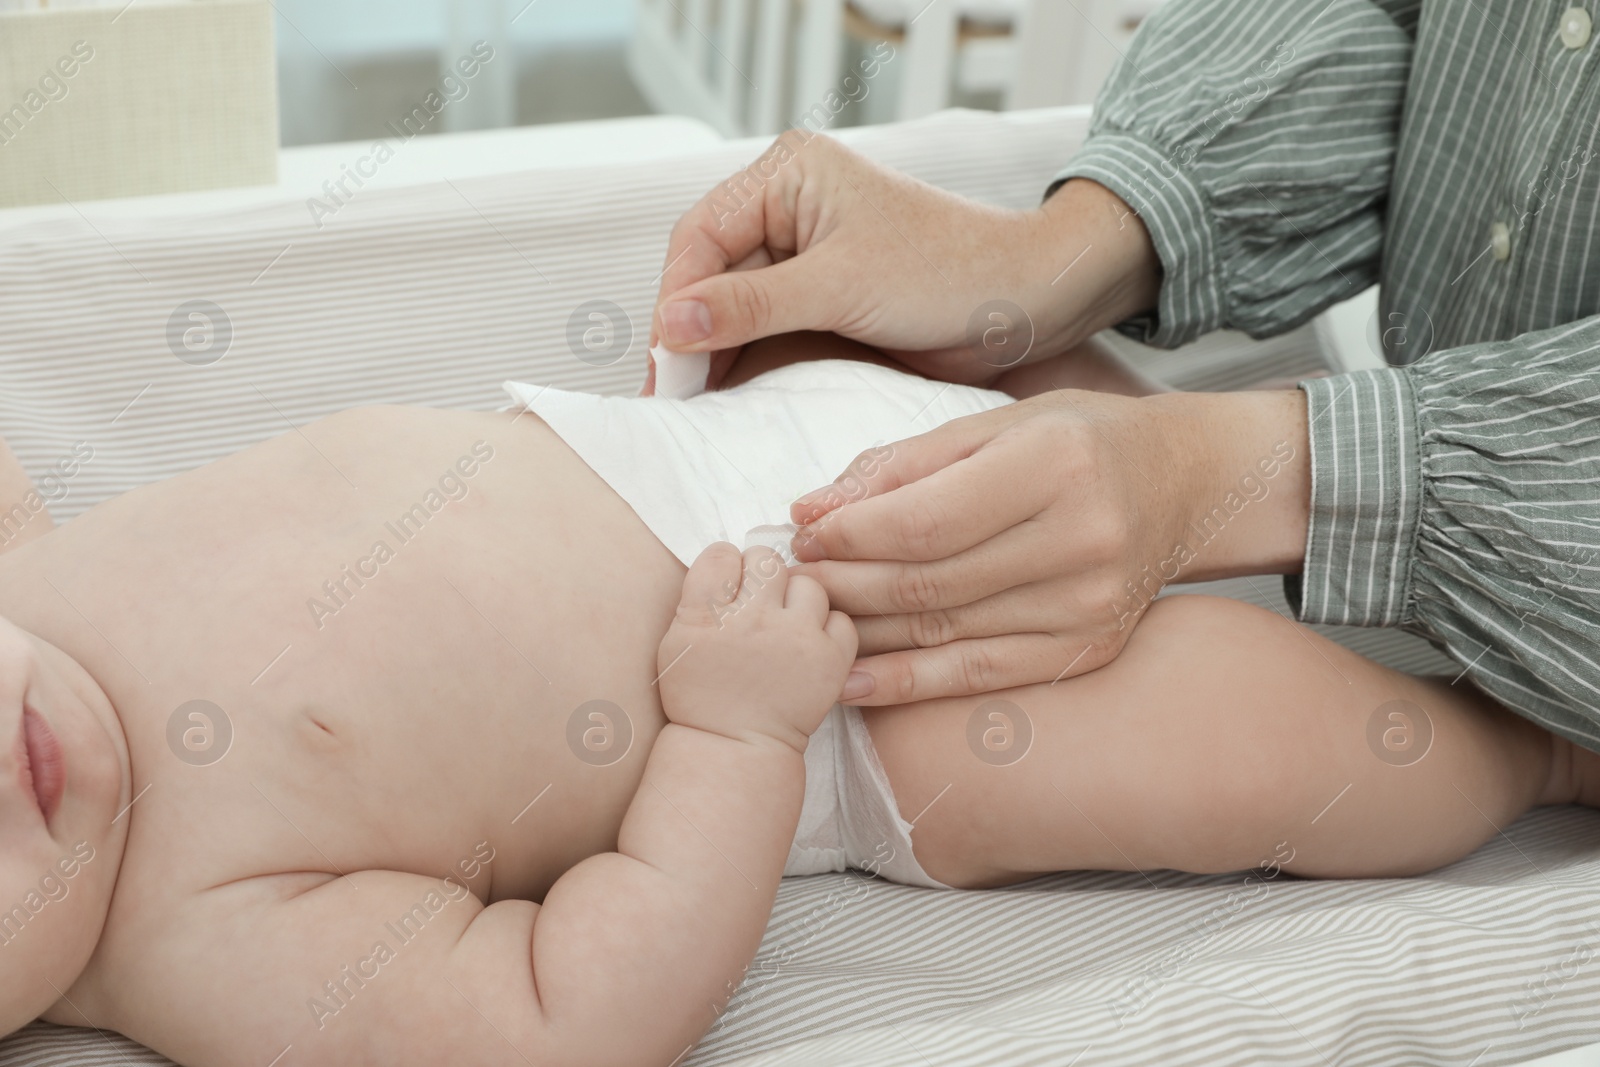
column 776, row 538
column 680, row 375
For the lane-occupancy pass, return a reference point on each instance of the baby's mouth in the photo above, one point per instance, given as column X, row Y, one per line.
column 45, row 769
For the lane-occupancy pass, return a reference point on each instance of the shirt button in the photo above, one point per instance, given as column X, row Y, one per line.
column 1575, row 27
column 1500, row 241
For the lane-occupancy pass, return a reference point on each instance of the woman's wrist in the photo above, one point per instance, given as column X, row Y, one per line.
column 1250, row 491
column 1094, row 265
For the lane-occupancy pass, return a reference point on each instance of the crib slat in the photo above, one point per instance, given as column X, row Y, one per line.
column 696, row 34
column 769, row 55
column 929, row 58
column 821, row 45
column 734, row 80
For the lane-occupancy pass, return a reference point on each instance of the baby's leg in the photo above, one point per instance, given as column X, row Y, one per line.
column 1223, row 737
column 770, row 353
column 1091, row 365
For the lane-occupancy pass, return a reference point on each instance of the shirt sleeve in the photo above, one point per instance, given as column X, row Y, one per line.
column 1459, row 498
column 1255, row 140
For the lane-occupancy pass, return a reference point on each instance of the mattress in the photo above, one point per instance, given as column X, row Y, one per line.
column 436, row 294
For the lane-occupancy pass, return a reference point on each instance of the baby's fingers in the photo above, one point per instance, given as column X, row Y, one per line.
column 806, row 596
column 843, row 633
column 765, row 578
column 711, row 584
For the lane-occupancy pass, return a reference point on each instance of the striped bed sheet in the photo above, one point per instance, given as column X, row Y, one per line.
column 437, row 293
column 1489, row 961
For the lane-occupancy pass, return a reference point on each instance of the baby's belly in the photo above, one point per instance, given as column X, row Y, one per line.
column 532, row 625
column 484, row 677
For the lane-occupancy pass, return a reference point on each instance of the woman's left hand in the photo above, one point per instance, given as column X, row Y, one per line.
column 1022, row 544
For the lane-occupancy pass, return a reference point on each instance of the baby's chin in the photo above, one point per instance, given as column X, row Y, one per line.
column 49, row 929
column 56, row 878
column 55, row 890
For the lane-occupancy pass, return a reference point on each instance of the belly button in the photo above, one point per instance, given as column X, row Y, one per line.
column 317, row 722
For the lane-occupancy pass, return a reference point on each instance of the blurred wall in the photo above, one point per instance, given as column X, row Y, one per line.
column 346, row 69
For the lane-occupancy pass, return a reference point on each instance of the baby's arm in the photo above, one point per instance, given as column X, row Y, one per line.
column 632, row 954
column 18, row 527
column 667, row 924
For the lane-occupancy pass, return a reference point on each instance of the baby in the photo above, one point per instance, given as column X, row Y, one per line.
column 407, row 736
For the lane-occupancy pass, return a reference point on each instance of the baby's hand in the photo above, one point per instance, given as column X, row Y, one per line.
column 753, row 651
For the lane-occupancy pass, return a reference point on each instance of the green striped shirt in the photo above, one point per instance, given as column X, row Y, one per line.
column 1285, row 156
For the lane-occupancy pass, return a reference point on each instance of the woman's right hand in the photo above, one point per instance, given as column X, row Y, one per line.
column 813, row 236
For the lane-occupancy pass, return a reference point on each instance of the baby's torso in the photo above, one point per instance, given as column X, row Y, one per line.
column 360, row 646
column 411, row 640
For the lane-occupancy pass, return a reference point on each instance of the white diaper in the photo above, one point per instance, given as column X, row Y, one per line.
column 724, row 466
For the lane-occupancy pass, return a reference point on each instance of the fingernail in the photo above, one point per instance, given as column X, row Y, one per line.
column 686, row 322
column 808, row 509
column 807, row 549
column 857, row 685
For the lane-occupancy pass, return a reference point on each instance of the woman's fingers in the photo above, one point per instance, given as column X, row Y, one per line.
column 735, row 307
column 1013, row 559
column 934, row 516
column 727, row 226
column 966, row 667
column 884, row 468
column 721, row 287
column 841, row 243
column 1038, row 607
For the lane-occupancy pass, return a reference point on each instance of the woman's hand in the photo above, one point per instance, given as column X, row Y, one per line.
column 1023, row 544
column 813, row 236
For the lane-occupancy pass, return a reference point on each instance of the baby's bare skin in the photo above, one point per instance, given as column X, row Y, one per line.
column 395, row 733
column 405, row 743
column 427, row 710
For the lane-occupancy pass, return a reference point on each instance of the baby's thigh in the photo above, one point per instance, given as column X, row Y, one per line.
column 1216, row 741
